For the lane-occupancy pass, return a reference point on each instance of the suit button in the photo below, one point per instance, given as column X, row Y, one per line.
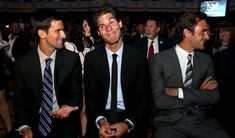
column 196, row 106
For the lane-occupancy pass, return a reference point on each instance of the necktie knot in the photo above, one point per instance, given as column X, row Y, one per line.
column 114, row 56
column 189, row 56
column 152, row 42
column 48, row 61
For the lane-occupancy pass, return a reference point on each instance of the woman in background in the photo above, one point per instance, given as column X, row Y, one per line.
column 81, row 41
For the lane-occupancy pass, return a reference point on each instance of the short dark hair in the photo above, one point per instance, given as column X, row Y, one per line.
column 157, row 22
column 107, row 8
column 188, row 21
column 42, row 18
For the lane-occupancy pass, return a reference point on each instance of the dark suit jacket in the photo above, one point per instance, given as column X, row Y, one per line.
column 134, row 81
column 224, row 62
column 163, row 44
column 166, row 72
column 21, row 45
column 28, row 86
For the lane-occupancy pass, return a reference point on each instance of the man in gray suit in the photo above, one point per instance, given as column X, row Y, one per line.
column 184, row 88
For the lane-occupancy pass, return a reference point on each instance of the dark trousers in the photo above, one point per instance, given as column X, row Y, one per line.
column 188, row 127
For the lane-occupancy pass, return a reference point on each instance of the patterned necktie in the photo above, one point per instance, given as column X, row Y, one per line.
column 113, row 110
column 151, row 51
column 189, row 72
column 47, row 101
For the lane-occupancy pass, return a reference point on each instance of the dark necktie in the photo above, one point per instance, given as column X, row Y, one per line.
column 151, row 51
column 189, row 72
column 47, row 101
column 113, row 110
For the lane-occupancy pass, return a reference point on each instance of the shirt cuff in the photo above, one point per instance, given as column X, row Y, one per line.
column 22, row 128
column 98, row 119
column 129, row 124
column 181, row 93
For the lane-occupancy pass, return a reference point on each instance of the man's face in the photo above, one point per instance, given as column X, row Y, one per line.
column 151, row 29
column 200, row 35
column 55, row 36
column 109, row 28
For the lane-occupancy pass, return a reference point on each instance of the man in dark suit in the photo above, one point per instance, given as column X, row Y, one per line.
column 184, row 88
column 66, row 84
column 132, row 82
column 160, row 43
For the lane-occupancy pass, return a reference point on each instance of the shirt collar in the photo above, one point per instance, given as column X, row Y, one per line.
column 119, row 52
column 182, row 51
column 43, row 57
column 155, row 39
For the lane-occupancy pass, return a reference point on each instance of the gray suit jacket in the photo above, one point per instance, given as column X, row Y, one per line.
column 166, row 72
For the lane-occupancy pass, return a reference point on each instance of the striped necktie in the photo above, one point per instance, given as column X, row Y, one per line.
column 189, row 72
column 47, row 101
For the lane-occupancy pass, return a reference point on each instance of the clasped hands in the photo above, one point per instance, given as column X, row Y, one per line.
column 112, row 130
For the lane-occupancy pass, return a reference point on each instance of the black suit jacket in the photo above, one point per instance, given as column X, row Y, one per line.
column 163, row 44
column 224, row 62
column 21, row 45
column 166, row 72
column 28, row 87
column 134, row 83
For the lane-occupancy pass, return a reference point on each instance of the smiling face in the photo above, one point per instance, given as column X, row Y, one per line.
column 54, row 37
column 196, row 39
column 109, row 29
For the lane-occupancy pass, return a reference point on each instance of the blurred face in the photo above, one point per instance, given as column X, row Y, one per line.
column 200, row 35
column 224, row 36
column 15, row 28
column 86, row 28
column 55, row 36
column 151, row 29
column 140, row 28
column 109, row 29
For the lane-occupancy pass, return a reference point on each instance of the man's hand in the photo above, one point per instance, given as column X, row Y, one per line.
column 105, row 130
column 27, row 133
column 209, row 84
column 64, row 112
column 171, row 91
column 120, row 129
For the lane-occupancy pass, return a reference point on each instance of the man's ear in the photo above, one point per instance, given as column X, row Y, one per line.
column 120, row 23
column 187, row 33
column 41, row 33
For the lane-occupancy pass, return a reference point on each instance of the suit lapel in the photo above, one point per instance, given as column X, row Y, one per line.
column 196, row 68
column 59, row 68
column 104, row 67
column 174, row 62
column 160, row 44
column 37, row 71
column 124, row 74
